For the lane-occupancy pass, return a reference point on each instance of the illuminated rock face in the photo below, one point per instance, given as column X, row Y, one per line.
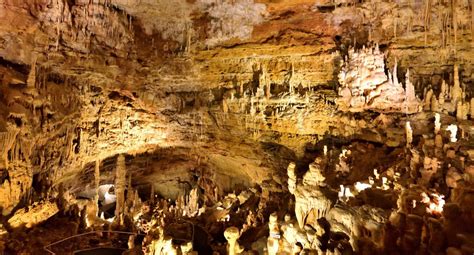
column 359, row 223
column 233, row 247
column 310, row 197
column 35, row 214
column 365, row 86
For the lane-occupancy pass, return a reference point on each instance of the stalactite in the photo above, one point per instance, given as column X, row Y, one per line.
column 70, row 144
column 448, row 28
column 395, row 28
column 394, row 75
column 58, row 34
column 291, row 77
column 268, row 90
column 427, row 100
column 455, row 22
column 31, row 81
column 440, row 16
column 7, row 141
column 427, row 19
column 81, row 142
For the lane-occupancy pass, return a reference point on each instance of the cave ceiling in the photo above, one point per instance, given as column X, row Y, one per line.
column 153, row 74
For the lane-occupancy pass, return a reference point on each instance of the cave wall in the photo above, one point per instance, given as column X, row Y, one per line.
column 86, row 80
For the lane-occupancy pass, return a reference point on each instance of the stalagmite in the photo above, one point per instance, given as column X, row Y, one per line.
column 438, row 141
column 410, row 95
column 462, row 110
column 376, row 174
column 233, row 246
column 437, row 123
column 365, row 86
column 427, row 100
column 97, row 182
column 344, row 193
column 187, row 249
column 192, row 203
column 131, row 242
column 385, row 185
column 31, row 81
column 274, row 235
column 291, row 178
column 292, row 74
column 443, row 93
column 168, row 247
column 430, row 167
column 453, row 129
column 120, row 184
column 472, row 108
column 434, row 104
column 409, row 134
column 456, row 91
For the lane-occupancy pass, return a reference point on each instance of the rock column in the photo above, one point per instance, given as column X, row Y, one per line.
column 97, row 183
column 120, row 182
column 233, row 247
column 409, row 133
column 291, row 178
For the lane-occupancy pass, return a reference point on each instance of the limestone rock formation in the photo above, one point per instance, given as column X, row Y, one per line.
column 311, row 200
column 237, row 126
column 365, row 85
column 33, row 215
column 233, row 247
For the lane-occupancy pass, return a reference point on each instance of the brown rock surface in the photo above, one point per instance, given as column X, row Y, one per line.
column 217, row 97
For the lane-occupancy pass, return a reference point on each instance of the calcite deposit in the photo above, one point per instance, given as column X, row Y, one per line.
column 366, row 86
column 236, row 127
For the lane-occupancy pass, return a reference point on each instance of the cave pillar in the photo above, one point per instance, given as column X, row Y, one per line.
column 233, row 246
column 291, row 178
column 437, row 123
column 97, row 183
column 274, row 235
column 120, row 182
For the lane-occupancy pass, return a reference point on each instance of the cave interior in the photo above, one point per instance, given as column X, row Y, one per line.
column 237, row 127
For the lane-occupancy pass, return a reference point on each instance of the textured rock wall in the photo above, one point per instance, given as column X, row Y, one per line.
column 83, row 80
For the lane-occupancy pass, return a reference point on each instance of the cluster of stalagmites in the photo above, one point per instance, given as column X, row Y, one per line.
column 365, row 86
column 328, row 223
column 416, row 205
column 431, row 207
column 163, row 222
column 431, row 185
column 451, row 99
